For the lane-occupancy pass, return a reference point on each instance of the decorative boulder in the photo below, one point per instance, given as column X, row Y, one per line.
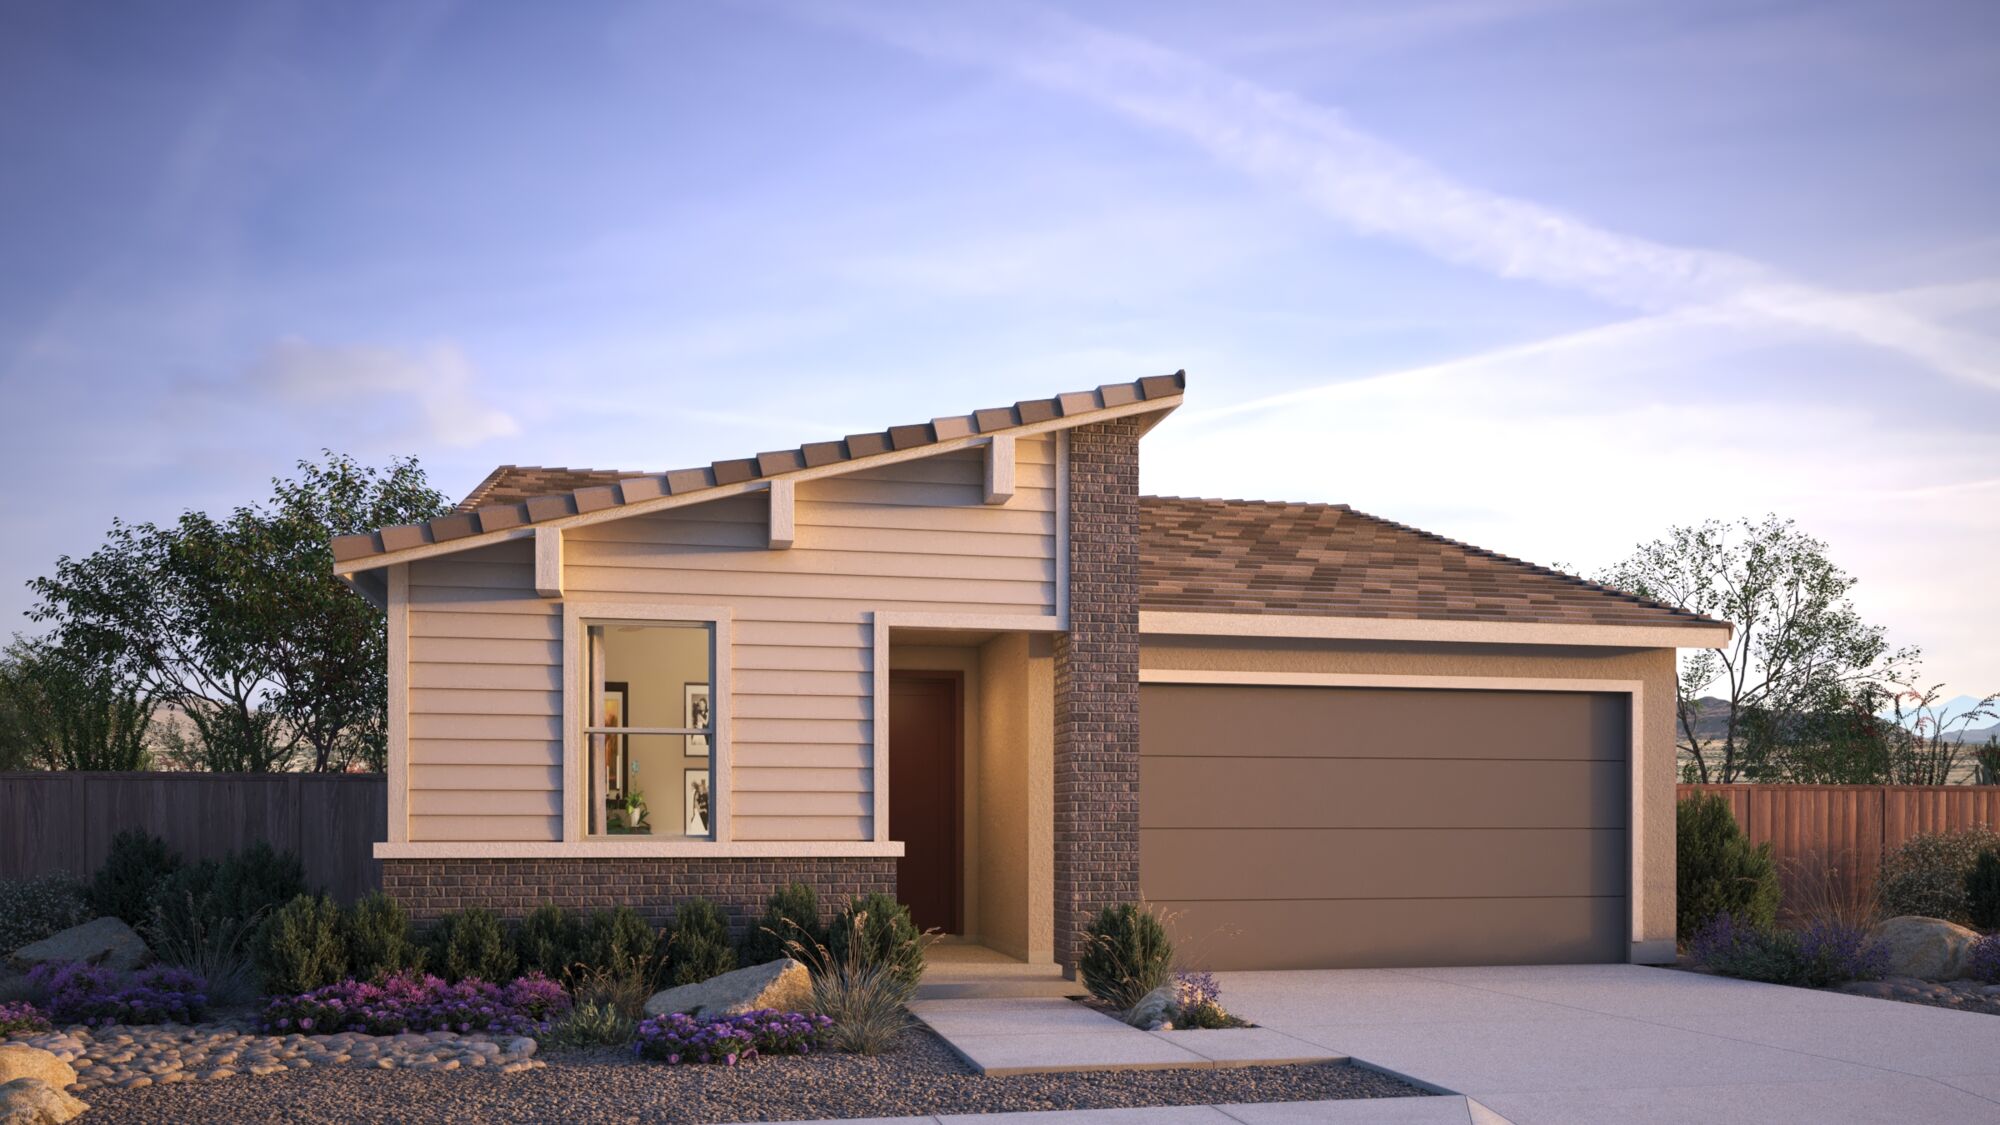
column 31, row 1101
column 783, row 985
column 18, row 1060
column 1154, row 1010
column 102, row 941
column 1927, row 948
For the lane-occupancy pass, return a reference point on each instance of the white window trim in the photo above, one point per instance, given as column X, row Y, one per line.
column 1641, row 951
column 578, row 616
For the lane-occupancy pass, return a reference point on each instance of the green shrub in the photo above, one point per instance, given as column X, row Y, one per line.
column 1126, row 955
column 32, row 909
column 301, row 947
column 247, row 887
column 698, row 944
column 791, row 915
column 258, row 879
column 471, row 943
column 618, row 944
column 1718, row 870
column 1926, row 874
column 138, row 861
column 377, row 935
column 881, row 929
column 549, row 941
column 1982, row 891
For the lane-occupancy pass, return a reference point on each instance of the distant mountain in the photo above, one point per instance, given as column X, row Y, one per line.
column 1712, row 719
column 1958, row 705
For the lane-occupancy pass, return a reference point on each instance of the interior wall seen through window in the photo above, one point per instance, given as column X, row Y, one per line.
column 657, row 676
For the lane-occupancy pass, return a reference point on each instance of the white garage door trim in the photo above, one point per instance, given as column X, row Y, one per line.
column 1634, row 689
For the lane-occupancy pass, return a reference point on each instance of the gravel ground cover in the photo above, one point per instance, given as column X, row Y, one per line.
column 1964, row 995
column 922, row 1076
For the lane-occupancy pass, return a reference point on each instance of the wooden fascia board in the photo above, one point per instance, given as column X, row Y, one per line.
column 1159, row 406
column 1168, row 623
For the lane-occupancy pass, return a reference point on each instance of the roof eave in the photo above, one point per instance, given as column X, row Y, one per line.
column 522, row 522
column 1434, row 630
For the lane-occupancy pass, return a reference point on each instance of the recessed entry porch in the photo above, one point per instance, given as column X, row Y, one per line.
column 971, row 796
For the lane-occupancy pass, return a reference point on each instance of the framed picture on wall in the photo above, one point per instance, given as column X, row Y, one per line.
column 697, row 802
column 697, row 715
column 617, row 713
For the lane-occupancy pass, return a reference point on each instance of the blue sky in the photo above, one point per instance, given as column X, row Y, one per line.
column 1539, row 275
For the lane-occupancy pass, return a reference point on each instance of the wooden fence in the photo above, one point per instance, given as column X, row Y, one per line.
column 65, row 821
column 1843, row 831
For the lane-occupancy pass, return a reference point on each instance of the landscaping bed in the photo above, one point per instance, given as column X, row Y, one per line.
column 1961, row 995
column 921, row 1076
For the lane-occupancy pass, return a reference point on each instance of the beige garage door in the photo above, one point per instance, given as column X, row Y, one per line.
column 1317, row 827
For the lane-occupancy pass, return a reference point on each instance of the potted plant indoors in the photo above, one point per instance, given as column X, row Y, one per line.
column 635, row 811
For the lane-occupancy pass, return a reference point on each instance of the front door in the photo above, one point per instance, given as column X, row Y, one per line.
column 924, row 740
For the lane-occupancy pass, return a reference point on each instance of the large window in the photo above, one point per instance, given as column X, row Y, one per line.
column 651, row 731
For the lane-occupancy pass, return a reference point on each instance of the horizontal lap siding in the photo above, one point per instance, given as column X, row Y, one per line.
column 486, row 652
column 485, row 749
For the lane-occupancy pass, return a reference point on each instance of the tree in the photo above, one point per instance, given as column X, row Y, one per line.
column 1798, row 642
column 1840, row 738
column 1929, row 749
column 60, row 713
column 240, row 624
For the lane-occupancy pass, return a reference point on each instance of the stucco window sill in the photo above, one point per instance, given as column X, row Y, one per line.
column 629, row 848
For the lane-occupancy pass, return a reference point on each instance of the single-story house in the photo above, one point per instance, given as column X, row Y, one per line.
column 967, row 663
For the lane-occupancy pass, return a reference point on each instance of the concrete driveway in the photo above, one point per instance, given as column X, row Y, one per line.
column 1623, row 1043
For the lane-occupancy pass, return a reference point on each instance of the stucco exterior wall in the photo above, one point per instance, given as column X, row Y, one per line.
column 1014, row 796
column 1653, row 885
column 485, row 720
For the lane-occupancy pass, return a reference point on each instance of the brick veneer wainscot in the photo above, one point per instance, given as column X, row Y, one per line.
column 1097, row 685
column 511, row 888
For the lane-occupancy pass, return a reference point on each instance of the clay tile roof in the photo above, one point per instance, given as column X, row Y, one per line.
column 515, row 495
column 1251, row 556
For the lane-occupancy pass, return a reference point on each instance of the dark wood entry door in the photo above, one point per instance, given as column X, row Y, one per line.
column 925, row 736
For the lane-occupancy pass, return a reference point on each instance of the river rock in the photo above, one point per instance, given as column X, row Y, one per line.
column 783, row 985
column 1927, row 948
column 31, row 1101
column 100, row 941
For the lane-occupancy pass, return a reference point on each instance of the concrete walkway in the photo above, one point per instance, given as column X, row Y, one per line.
column 1593, row 1044
column 1041, row 1035
column 1623, row 1043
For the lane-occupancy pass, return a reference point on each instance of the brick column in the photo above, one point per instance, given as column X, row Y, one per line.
column 1097, row 685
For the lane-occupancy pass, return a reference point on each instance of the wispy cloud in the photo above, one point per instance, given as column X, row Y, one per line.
column 393, row 398
column 1380, row 189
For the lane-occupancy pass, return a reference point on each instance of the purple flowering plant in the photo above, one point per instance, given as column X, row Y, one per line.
column 1984, row 963
column 1196, row 990
column 1824, row 953
column 680, row 1038
column 420, row 1002
column 75, row 992
column 1831, row 953
column 21, row 1018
